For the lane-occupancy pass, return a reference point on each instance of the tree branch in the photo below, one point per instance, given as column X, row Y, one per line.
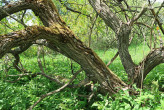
column 72, row 10
column 15, row 7
column 140, row 23
column 156, row 17
column 106, row 14
column 143, row 10
column 60, row 36
column 111, row 61
column 21, row 75
column 154, row 58
column 21, row 22
column 55, row 91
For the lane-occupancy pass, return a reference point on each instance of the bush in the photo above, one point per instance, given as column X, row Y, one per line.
column 104, row 43
column 146, row 100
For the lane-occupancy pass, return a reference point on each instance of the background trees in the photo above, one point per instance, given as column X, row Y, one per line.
column 120, row 24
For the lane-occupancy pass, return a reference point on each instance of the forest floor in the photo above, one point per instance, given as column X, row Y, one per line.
column 22, row 94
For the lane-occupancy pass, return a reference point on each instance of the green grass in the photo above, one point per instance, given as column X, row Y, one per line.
column 138, row 53
column 25, row 92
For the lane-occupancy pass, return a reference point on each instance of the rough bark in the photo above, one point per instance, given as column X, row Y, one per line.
column 154, row 58
column 60, row 37
column 106, row 14
column 123, row 44
column 122, row 31
column 16, row 7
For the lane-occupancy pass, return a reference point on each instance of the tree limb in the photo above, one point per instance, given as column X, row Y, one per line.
column 156, row 17
column 53, row 92
column 72, row 10
column 15, row 7
column 60, row 36
column 106, row 14
column 143, row 10
column 154, row 58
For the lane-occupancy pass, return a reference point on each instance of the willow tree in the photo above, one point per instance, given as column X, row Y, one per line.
column 59, row 37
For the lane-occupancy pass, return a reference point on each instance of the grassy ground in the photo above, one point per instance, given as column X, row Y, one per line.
column 21, row 95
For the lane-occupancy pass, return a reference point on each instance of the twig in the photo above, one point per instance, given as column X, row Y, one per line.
column 111, row 61
column 155, row 17
column 143, row 10
column 21, row 75
column 91, row 29
column 75, row 11
column 55, row 91
column 15, row 18
column 39, row 60
column 7, row 25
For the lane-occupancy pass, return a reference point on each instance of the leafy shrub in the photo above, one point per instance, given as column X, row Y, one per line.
column 104, row 43
column 147, row 100
column 32, row 51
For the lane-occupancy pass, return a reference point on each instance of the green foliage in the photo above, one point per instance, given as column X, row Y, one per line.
column 147, row 100
column 104, row 43
column 21, row 95
column 25, row 92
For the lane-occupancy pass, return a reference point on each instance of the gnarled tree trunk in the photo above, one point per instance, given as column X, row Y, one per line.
column 59, row 36
column 136, row 73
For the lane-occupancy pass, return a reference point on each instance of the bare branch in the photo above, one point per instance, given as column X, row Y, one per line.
column 111, row 61
column 156, row 17
column 55, row 91
column 21, row 75
column 106, row 14
column 140, row 23
column 14, row 18
column 143, row 10
column 15, row 7
column 72, row 10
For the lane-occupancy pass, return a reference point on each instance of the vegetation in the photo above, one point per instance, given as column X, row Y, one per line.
column 25, row 92
column 53, row 55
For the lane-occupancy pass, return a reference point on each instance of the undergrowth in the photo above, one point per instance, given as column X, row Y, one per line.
column 22, row 94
